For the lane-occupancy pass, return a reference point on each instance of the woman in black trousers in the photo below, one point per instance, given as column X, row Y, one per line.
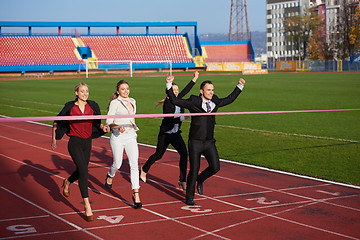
column 81, row 133
column 170, row 133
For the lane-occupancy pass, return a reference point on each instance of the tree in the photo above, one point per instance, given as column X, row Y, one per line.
column 317, row 47
column 297, row 29
column 348, row 29
column 343, row 30
column 306, row 32
column 355, row 31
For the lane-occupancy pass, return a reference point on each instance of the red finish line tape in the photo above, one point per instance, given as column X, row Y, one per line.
column 86, row 117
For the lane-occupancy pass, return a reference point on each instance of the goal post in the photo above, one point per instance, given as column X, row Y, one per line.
column 126, row 64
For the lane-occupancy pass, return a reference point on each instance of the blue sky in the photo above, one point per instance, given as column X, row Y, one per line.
column 212, row 16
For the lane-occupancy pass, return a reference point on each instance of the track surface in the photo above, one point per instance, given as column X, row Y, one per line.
column 239, row 202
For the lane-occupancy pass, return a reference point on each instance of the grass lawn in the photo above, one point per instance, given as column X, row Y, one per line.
column 323, row 145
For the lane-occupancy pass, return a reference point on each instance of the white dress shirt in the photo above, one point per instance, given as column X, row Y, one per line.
column 176, row 125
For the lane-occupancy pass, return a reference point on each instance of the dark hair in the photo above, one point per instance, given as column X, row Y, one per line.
column 203, row 84
column 115, row 94
column 163, row 100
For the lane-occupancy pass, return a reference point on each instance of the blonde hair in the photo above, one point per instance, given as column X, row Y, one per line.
column 158, row 103
column 76, row 88
column 115, row 94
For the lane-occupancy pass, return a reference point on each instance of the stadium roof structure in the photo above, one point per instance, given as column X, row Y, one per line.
column 95, row 24
column 117, row 25
column 90, row 25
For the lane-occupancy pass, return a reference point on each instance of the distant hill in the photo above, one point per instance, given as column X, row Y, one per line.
column 258, row 40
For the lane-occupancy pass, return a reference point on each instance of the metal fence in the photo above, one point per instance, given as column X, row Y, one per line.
column 322, row 66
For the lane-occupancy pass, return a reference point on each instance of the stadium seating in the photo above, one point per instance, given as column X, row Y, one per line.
column 228, row 53
column 56, row 53
column 139, row 48
column 42, row 50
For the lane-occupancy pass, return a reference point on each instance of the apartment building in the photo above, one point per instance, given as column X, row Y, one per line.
column 281, row 49
column 278, row 47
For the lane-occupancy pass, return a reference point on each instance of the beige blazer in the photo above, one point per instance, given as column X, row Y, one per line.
column 118, row 107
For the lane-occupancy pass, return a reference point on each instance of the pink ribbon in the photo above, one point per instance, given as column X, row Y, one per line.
column 85, row 117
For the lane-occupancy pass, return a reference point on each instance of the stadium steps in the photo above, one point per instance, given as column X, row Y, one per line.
column 77, row 44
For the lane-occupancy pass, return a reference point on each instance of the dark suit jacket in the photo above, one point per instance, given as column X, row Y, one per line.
column 169, row 122
column 63, row 126
column 202, row 127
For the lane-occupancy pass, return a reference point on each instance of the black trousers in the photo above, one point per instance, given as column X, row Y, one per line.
column 80, row 151
column 208, row 149
column 164, row 139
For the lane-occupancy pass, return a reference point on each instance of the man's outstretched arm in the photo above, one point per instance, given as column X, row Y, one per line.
column 232, row 96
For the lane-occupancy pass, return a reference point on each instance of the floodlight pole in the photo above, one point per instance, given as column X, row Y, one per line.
column 239, row 14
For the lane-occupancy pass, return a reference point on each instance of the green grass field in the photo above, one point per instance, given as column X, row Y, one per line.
column 323, row 145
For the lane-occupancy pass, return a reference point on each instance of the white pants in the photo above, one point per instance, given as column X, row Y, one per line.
column 120, row 142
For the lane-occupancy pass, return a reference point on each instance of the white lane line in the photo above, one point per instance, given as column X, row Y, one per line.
column 291, row 174
column 275, row 190
column 52, row 214
column 32, row 102
column 264, row 169
column 289, row 134
column 40, row 234
column 233, row 162
column 226, row 178
column 144, row 208
column 23, row 218
column 280, row 218
column 249, row 129
column 25, row 108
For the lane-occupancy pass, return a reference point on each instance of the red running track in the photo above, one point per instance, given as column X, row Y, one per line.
column 240, row 202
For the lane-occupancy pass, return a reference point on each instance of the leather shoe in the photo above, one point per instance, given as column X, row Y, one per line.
column 190, row 202
column 66, row 193
column 137, row 205
column 199, row 188
column 142, row 175
column 89, row 218
column 108, row 186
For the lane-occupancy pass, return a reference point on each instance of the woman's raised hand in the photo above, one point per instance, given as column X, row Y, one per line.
column 169, row 79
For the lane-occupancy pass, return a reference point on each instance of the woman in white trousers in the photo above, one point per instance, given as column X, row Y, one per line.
column 123, row 137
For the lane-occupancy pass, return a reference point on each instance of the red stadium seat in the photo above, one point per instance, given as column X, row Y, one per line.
column 37, row 50
column 138, row 48
column 228, row 53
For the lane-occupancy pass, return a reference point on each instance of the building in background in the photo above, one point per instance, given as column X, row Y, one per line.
column 278, row 47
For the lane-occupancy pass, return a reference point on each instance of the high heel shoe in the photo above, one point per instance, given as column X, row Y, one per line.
column 137, row 205
column 108, row 186
column 89, row 218
column 142, row 175
column 182, row 185
column 66, row 194
column 200, row 188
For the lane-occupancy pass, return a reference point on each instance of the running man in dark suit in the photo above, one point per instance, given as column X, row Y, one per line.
column 201, row 135
column 170, row 133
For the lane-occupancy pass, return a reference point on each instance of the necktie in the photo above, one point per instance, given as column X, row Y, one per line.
column 208, row 108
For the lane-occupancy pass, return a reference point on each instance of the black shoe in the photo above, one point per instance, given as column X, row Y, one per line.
column 108, row 186
column 190, row 202
column 199, row 188
column 137, row 205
